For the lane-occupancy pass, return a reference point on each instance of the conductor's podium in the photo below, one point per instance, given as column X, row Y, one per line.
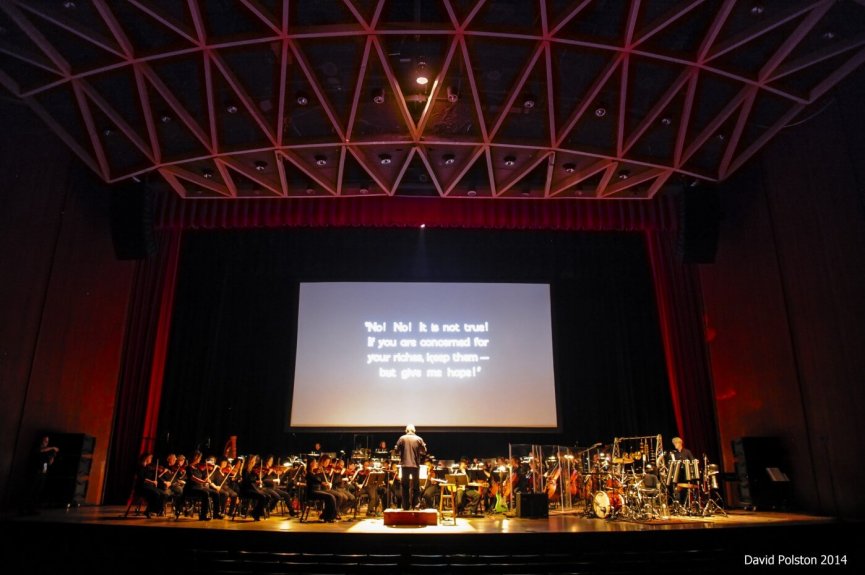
column 412, row 517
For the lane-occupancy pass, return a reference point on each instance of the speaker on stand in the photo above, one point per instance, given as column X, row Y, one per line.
column 699, row 224
column 132, row 217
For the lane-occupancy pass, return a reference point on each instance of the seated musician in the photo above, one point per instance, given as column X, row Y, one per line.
column 146, row 485
column 468, row 498
column 226, row 485
column 249, row 487
column 197, row 482
column 430, row 490
column 273, row 484
column 372, row 488
column 345, row 498
column 317, row 487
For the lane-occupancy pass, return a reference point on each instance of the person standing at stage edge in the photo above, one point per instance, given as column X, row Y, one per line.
column 411, row 450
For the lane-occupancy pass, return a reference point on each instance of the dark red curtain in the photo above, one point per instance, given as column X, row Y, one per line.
column 680, row 312
column 142, row 365
column 618, row 215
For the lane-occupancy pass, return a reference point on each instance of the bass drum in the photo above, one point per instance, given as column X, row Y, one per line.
column 607, row 503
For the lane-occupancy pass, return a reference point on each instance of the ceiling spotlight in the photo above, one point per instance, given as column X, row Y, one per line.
column 260, row 165
column 302, row 99
column 600, row 111
column 757, row 9
column 666, row 121
column 364, row 190
column 422, row 77
column 471, row 193
column 529, row 101
column 231, row 109
column 384, row 159
column 165, row 119
column 624, row 174
column 449, row 159
column 569, row 168
column 828, row 35
column 107, row 132
column 310, row 191
column 510, row 161
column 320, row 161
column 721, row 136
column 70, row 5
column 207, row 173
column 378, row 95
column 453, row 95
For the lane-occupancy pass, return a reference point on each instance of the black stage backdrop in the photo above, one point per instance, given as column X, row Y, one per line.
column 231, row 356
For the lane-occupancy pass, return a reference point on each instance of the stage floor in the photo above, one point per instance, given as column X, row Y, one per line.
column 501, row 523
column 82, row 538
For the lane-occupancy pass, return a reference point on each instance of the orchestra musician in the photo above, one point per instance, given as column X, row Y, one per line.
column 147, row 485
column 430, row 490
column 317, row 487
column 249, row 487
column 224, row 486
column 469, row 497
column 373, row 489
column 680, row 453
column 197, row 485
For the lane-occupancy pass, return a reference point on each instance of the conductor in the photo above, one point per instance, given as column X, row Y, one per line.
column 411, row 450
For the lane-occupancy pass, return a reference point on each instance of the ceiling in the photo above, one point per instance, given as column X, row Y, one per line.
column 526, row 98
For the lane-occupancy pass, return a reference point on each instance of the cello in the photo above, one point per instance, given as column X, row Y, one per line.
column 551, row 488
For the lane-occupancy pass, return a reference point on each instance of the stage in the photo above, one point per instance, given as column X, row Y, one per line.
column 561, row 543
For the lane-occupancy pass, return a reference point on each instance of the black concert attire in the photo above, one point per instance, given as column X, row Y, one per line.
column 197, row 488
column 683, row 455
column 223, row 488
column 372, row 491
column 41, row 461
column 430, row 490
column 412, row 450
column 146, row 487
column 249, row 490
column 316, row 489
column 467, row 498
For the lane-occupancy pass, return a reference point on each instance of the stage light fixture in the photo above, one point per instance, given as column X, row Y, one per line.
column 600, row 111
column 624, row 174
column 165, row 118
column 207, row 174
column 449, row 159
column 510, row 161
column 320, row 161
column 422, row 75
column 385, row 159
column 569, row 168
column 453, row 95
column 301, row 98
column 310, row 191
column 529, row 101
column 364, row 190
column 472, row 193
column 666, row 121
column 231, row 109
column 260, row 165
column 378, row 95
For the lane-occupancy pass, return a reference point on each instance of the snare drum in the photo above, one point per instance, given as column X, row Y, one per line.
column 607, row 503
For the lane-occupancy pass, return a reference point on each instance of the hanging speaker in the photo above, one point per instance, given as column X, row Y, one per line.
column 132, row 215
column 699, row 224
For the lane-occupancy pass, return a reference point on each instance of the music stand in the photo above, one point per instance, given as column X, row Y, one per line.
column 458, row 479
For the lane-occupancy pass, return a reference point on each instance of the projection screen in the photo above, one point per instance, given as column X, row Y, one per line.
column 439, row 355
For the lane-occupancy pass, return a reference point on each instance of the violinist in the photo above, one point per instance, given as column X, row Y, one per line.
column 430, row 488
column 249, row 487
column 224, row 487
column 317, row 487
column 345, row 497
column 371, row 487
column 146, row 485
column 197, row 485
column 269, row 483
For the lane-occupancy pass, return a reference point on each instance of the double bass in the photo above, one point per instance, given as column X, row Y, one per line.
column 551, row 488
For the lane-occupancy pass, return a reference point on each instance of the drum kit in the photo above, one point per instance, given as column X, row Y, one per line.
column 684, row 487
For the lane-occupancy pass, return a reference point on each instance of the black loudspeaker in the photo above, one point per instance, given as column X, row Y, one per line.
column 700, row 224
column 132, row 215
column 69, row 475
column 533, row 505
column 761, row 468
